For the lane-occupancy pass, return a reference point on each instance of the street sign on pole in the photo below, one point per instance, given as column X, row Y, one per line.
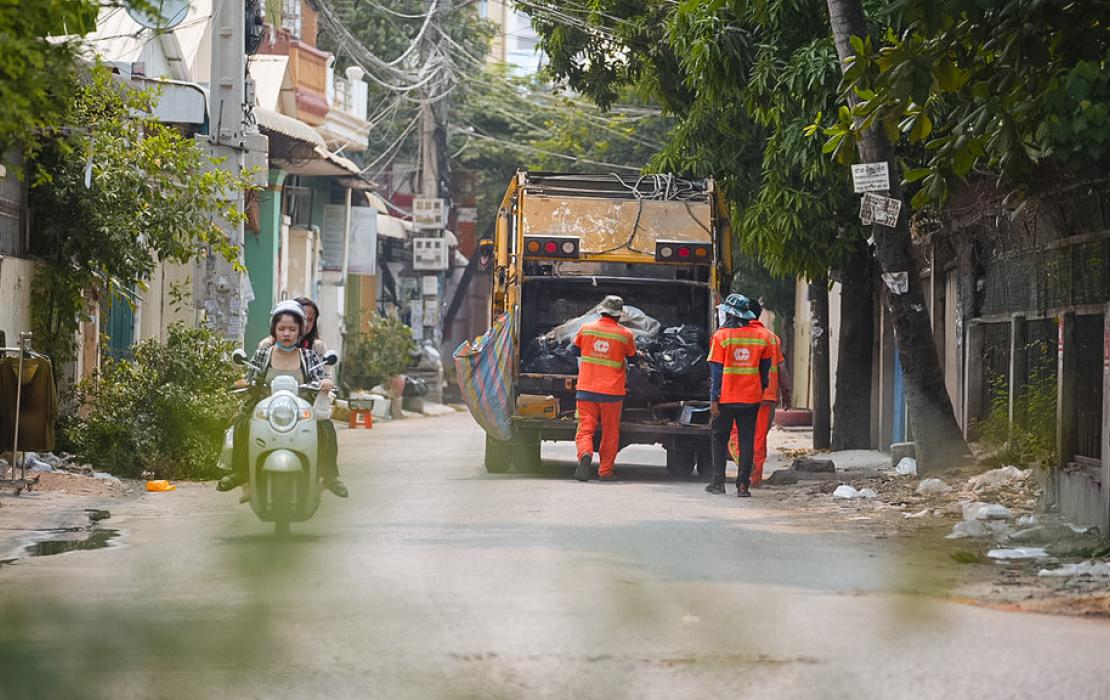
column 877, row 209
column 870, row 177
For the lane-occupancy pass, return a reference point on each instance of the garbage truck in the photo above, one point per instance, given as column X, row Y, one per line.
column 562, row 242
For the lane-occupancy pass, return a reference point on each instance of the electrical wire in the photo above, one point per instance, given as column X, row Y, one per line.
column 533, row 149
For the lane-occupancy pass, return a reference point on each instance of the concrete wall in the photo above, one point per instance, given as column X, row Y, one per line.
column 801, row 371
column 15, row 291
column 156, row 309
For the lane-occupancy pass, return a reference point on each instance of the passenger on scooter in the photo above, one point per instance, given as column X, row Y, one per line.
column 284, row 357
column 329, row 443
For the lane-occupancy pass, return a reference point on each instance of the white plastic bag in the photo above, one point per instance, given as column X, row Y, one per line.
column 907, row 466
column 632, row 318
column 932, row 487
column 986, row 511
column 322, row 405
column 845, row 492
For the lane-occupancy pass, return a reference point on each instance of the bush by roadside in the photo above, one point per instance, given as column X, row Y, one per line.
column 164, row 413
column 380, row 349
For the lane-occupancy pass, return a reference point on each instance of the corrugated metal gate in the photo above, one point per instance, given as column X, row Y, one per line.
column 1088, row 386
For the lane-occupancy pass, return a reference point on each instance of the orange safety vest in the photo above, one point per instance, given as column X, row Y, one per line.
column 604, row 344
column 740, row 350
column 777, row 358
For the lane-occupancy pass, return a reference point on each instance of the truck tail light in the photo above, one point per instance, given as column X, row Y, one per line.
column 683, row 252
column 563, row 247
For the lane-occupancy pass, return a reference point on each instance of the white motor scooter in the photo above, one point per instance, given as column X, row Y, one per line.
column 283, row 478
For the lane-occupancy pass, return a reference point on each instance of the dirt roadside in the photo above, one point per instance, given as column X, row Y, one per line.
column 60, row 506
column 902, row 516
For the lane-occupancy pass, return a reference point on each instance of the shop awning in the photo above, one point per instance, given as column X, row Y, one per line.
column 389, row 226
column 269, row 120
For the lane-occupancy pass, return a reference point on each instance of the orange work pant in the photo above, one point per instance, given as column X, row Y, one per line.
column 607, row 416
column 759, row 456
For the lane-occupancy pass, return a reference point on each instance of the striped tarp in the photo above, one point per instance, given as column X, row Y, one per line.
column 484, row 370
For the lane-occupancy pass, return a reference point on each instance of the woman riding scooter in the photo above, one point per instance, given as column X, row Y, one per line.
column 284, row 357
column 329, row 443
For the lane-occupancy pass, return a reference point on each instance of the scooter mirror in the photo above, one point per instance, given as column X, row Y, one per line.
column 239, row 357
column 330, row 358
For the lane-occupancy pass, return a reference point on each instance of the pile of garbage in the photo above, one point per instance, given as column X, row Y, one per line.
column 49, row 463
column 675, row 355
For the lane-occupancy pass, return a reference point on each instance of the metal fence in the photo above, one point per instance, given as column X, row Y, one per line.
column 1039, row 280
column 996, row 363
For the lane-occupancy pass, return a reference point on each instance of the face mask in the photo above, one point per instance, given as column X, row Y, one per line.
column 287, row 348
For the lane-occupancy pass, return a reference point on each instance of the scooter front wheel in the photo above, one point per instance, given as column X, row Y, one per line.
column 282, row 494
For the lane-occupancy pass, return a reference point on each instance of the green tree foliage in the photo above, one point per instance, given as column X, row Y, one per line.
column 1031, row 437
column 114, row 197
column 163, row 414
column 36, row 70
column 743, row 80
column 998, row 87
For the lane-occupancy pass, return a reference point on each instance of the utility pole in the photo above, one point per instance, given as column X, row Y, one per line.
column 221, row 291
column 433, row 157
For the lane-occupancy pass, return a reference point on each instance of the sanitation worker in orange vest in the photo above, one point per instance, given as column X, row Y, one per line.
column 604, row 347
column 740, row 360
column 778, row 387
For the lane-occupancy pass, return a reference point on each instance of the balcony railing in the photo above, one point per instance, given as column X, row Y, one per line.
column 349, row 93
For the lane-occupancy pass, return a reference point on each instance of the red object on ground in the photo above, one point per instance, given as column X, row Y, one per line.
column 793, row 417
column 608, row 415
column 367, row 418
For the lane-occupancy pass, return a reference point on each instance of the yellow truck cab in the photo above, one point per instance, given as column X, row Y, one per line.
column 562, row 243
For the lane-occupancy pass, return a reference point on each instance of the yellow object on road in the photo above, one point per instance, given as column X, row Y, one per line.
column 160, row 485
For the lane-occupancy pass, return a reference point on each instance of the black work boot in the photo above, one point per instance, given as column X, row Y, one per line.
column 715, row 487
column 742, row 491
column 582, row 473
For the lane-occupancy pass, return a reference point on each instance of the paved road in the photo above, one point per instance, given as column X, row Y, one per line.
column 435, row 580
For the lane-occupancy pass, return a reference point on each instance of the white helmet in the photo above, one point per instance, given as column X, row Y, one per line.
column 288, row 307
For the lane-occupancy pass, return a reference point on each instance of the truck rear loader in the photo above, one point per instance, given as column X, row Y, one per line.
column 562, row 243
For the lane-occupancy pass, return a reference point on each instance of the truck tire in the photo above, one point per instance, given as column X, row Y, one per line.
column 499, row 456
column 680, row 462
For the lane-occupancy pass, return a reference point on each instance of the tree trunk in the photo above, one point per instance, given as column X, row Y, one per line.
column 938, row 438
column 852, row 411
column 819, row 339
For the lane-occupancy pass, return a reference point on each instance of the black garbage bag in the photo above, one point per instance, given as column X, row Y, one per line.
column 680, row 354
column 415, row 387
column 545, row 355
column 644, row 385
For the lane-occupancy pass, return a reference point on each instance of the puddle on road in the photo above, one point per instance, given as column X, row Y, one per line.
column 97, row 539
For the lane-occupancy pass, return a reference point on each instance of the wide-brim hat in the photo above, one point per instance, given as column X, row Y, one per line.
column 611, row 305
column 737, row 305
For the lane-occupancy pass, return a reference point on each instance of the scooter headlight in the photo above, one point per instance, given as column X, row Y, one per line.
column 283, row 414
